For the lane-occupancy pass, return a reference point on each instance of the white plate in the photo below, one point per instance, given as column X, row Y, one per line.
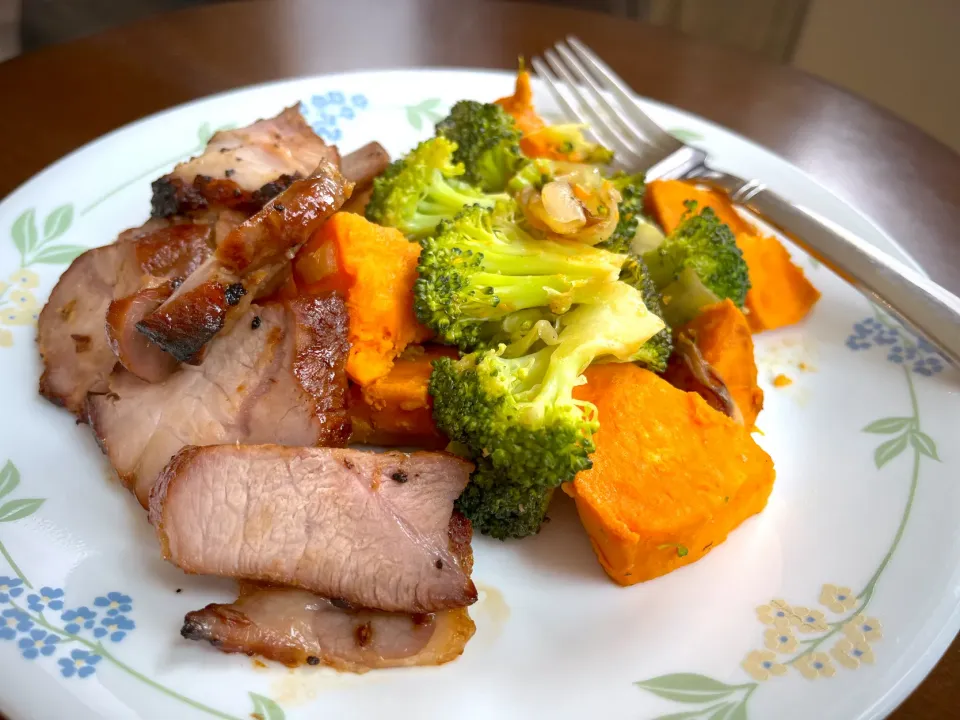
column 873, row 512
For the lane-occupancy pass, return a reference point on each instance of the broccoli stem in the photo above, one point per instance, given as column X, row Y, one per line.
column 510, row 293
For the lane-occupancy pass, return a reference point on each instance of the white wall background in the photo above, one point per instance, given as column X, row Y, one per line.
column 901, row 54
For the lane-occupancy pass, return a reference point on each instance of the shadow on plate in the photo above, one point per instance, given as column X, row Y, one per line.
column 562, row 545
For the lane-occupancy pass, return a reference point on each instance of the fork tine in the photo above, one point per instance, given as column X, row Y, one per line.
column 555, row 85
column 628, row 135
column 601, row 127
column 653, row 132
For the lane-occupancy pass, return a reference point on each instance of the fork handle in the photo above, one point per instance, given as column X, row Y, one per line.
column 929, row 309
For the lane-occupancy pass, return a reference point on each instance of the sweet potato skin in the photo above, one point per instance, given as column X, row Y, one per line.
column 780, row 294
column 671, row 476
column 722, row 335
column 397, row 409
column 374, row 268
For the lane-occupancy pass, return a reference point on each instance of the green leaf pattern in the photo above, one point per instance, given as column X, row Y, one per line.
column 58, row 222
column 924, row 444
column 24, row 233
column 686, row 136
column 34, row 249
column 9, row 478
column 888, row 450
column 266, row 709
column 888, row 426
column 428, row 111
column 687, row 688
column 19, row 509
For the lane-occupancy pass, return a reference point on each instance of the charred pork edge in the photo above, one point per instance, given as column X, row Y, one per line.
column 455, row 627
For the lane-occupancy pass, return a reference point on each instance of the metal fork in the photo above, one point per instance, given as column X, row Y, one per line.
column 589, row 91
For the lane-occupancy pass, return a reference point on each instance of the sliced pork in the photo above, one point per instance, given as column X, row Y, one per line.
column 296, row 627
column 77, row 355
column 278, row 376
column 375, row 530
column 246, row 263
column 244, row 169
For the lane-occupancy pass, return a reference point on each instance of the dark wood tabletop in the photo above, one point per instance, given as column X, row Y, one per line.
column 64, row 96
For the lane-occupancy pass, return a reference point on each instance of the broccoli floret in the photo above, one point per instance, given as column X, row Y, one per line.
column 632, row 189
column 503, row 509
column 518, row 410
column 480, row 267
column 419, row 190
column 488, row 143
column 656, row 351
column 706, row 247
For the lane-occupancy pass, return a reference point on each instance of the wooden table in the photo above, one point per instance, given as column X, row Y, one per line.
column 62, row 97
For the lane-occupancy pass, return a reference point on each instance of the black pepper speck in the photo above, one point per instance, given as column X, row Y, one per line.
column 233, row 293
column 400, row 476
column 255, row 323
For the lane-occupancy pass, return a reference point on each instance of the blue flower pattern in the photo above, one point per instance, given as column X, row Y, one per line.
column 80, row 663
column 116, row 626
column 75, row 619
column 106, row 618
column 38, row 642
column 48, row 598
column 14, row 621
column 325, row 112
column 115, row 602
column 10, row 588
column 903, row 348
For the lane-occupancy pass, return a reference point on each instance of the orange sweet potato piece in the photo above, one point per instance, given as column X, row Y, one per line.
column 520, row 106
column 780, row 293
column 374, row 267
column 397, row 409
column 722, row 335
column 538, row 140
column 671, row 476
column 666, row 198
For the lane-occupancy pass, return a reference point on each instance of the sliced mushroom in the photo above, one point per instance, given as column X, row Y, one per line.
column 688, row 370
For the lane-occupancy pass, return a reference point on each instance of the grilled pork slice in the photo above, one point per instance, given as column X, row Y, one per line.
column 371, row 529
column 244, row 169
column 296, row 627
column 251, row 256
column 77, row 356
column 278, row 376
